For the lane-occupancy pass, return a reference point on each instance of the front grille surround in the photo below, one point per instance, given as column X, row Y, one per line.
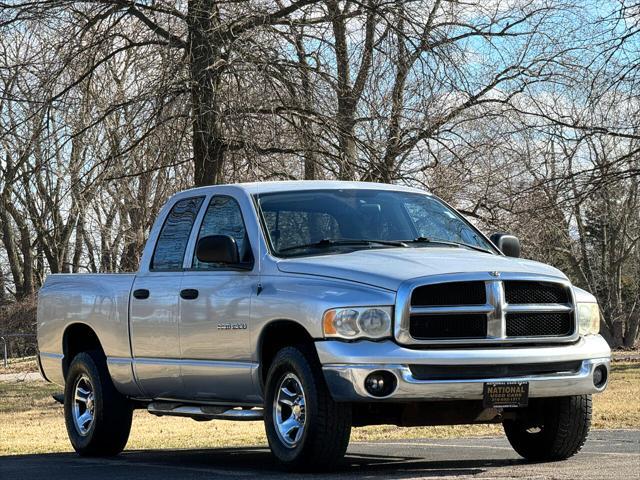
column 498, row 311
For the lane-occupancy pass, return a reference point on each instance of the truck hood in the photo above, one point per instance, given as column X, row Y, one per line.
column 388, row 268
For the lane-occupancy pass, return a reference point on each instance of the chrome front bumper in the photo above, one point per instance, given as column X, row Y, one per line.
column 347, row 365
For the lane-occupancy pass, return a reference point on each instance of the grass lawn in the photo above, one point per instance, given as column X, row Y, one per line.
column 19, row 365
column 32, row 422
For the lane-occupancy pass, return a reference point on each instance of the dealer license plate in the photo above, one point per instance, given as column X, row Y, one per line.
column 505, row 394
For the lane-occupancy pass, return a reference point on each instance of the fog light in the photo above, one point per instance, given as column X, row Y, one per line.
column 380, row 384
column 600, row 376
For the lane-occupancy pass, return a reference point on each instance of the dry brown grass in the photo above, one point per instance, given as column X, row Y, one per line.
column 619, row 405
column 31, row 422
column 19, row 365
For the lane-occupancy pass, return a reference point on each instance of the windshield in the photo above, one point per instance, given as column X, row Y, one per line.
column 313, row 222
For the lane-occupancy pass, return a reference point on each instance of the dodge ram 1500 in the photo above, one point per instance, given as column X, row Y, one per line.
column 318, row 306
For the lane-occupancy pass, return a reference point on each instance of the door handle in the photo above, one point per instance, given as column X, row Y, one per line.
column 141, row 293
column 189, row 293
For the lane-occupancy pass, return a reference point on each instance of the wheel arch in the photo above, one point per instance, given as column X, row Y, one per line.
column 276, row 335
column 78, row 337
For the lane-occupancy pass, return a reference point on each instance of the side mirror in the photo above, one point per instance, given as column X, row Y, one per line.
column 218, row 249
column 508, row 244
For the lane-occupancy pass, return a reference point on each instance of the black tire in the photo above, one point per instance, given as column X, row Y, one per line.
column 559, row 433
column 108, row 432
column 327, row 425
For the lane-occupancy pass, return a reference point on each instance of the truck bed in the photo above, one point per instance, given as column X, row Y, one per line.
column 98, row 300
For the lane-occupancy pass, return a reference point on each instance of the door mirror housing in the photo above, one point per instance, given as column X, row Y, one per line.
column 221, row 249
column 507, row 244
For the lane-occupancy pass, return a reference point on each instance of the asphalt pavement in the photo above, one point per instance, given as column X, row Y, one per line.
column 608, row 454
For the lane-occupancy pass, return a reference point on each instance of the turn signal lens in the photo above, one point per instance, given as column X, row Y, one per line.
column 327, row 323
column 357, row 322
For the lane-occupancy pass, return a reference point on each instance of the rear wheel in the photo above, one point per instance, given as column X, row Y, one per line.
column 306, row 429
column 559, row 431
column 97, row 416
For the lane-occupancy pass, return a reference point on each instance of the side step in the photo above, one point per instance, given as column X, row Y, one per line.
column 204, row 412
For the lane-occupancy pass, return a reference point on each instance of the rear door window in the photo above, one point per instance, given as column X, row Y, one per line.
column 174, row 236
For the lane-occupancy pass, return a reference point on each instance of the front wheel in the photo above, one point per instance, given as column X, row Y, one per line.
column 97, row 416
column 306, row 428
column 557, row 431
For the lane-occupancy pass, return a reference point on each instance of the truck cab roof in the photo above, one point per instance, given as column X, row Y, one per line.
column 301, row 185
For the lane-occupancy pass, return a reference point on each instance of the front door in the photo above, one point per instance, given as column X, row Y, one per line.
column 154, row 305
column 215, row 313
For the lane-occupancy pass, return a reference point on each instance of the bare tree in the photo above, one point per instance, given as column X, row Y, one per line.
column 524, row 114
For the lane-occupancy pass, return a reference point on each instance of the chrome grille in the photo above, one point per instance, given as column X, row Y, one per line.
column 492, row 308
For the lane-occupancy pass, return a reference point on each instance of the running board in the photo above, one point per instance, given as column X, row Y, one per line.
column 204, row 412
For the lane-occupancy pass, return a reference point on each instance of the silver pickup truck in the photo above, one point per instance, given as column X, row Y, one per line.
column 318, row 306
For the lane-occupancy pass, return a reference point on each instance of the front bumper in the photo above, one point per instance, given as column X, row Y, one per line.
column 347, row 365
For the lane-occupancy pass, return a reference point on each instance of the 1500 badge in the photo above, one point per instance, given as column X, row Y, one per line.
column 232, row 326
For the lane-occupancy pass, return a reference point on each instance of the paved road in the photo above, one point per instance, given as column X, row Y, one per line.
column 610, row 455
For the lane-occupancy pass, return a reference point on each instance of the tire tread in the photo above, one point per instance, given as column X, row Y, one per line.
column 567, row 421
column 113, row 420
column 331, row 430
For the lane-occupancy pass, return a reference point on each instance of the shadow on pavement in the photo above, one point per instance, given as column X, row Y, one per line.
column 230, row 463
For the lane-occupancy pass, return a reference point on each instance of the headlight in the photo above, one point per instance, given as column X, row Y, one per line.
column 357, row 322
column 588, row 318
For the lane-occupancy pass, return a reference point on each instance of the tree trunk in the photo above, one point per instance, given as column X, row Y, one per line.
column 633, row 327
column 77, row 249
column 347, row 143
column 9, row 242
column 308, row 139
column 26, row 287
column 386, row 171
column 349, row 95
column 3, row 291
column 618, row 332
column 206, row 61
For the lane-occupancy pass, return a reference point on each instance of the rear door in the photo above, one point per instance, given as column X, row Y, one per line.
column 155, row 305
column 215, row 313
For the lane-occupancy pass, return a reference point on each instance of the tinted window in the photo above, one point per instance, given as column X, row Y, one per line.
column 174, row 235
column 223, row 217
column 329, row 221
column 434, row 220
column 289, row 228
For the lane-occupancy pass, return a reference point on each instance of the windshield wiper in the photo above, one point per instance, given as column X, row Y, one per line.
column 328, row 242
column 448, row 242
